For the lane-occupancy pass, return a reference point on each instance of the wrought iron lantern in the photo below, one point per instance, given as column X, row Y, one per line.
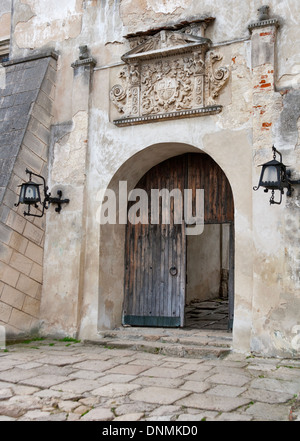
column 30, row 195
column 275, row 176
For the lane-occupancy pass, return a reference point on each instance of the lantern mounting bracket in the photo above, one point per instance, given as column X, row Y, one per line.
column 48, row 199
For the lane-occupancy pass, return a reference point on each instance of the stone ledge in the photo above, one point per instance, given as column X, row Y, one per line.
column 204, row 111
column 264, row 23
column 85, row 62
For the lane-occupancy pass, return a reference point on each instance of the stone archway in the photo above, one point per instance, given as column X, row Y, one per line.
column 111, row 293
column 164, row 255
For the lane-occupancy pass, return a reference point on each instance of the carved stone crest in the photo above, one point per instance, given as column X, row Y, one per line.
column 169, row 74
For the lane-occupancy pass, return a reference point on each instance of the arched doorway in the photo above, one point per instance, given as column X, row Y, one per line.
column 160, row 257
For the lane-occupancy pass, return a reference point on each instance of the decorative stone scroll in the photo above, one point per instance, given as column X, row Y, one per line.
column 168, row 75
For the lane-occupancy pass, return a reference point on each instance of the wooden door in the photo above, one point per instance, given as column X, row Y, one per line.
column 155, row 254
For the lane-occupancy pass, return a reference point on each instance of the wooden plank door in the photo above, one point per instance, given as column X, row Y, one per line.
column 205, row 173
column 155, row 256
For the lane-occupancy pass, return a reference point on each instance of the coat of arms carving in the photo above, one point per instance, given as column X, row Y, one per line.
column 168, row 75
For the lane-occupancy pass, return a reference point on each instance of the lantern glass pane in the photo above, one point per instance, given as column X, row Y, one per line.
column 31, row 194
column 270, row 175
column 22, row 192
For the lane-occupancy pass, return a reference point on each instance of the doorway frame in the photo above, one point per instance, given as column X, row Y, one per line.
column 224, row 214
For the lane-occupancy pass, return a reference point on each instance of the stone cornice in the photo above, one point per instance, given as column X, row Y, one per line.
column 85, row 62
column 204, row 111
column 264, row 23
column 37, row 56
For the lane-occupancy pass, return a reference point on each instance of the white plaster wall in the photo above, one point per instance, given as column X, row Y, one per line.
column 204, row 265
column 5, row 19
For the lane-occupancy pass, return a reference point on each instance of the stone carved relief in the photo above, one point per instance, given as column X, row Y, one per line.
column 168, row 73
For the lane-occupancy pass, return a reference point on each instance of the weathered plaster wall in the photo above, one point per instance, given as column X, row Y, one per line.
column 5, row 19
column 240, row 138
column 102, row 25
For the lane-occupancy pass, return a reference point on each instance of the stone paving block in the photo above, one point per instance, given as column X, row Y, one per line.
column 51, row 369
column 268, row 412
column 201, row 416
column 126, row 369
column 15, row 375
column 7, row 364
column 27, row 402
column 115, row 389
column 226, row 391
column 57, row 416
column 96, row 365
column 90, row 401
column 285, row 373
column 73, row 417
column 20, row 389
column 48, row 394
column 59, row 360
column 44, row 381
column 198, row 376
column 195, row 386
column 232, row 417
column 212, row 402
column 135, row 407
column 86, row 374
column 228, row 362
column 6, row 418
column 129, row 417
column 158, row 395
column 264, row 367
column 11, row 410
column 98, row 414
column 162, row 418
column 145, row 362
column 77, row 386
column 276, row 385
column 159, row 382
column 68, row 406
column 173, row 365
column 115, row 378
column 81, row 410
column 35, row 415
column 29, row 365
column 120, row 353
column 165, row 410
column 229, row 379
column 5, row 394
column 166, row 372
column 267, row 396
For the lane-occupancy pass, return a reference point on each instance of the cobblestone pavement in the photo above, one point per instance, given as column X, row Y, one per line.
column 59, row 380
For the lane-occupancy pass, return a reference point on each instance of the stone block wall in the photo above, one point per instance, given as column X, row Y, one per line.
column 22, row 238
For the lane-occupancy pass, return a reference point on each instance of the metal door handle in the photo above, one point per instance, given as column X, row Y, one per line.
column 173, row 271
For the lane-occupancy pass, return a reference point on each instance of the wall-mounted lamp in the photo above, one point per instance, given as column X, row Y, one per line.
column 30, row 195
column 275, row 176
